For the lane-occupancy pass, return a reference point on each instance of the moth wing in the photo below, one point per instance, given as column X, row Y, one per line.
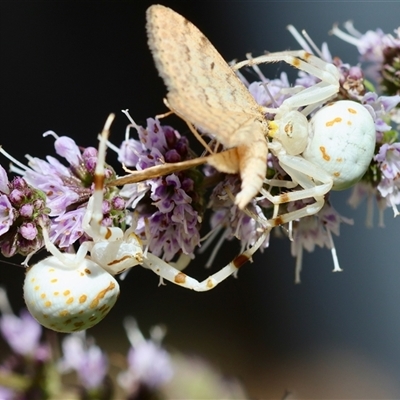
column 202, row 86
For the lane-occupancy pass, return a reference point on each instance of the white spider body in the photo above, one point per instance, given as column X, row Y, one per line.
column 342, row 142
column 69, row 295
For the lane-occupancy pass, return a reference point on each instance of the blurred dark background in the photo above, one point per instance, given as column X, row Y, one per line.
column 66, row 65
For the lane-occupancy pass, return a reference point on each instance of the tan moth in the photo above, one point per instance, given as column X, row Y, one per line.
column 204, row 90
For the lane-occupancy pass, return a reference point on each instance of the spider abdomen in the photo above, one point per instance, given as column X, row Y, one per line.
column 68, row 298
column 342, row 142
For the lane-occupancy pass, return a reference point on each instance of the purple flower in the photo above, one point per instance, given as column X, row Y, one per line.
column 22, row 212
column 21, row 333
column 149, row 364
column 26, row 210
column 379, row 107
column 7, row 214
column 388, row 159
column 7, row 211
column 4, row 188
column 234, row 223
column 67, row 227
column 93, row 369
column 7, row 394
column 66, row 147
column 369, row 45
column 383, row 50
column 28, row 231
column 389, row 189
column 56, row 181
column 68, row 189
column 316, row 230
column 167, row 206
column 84, row 357
column 269, row 92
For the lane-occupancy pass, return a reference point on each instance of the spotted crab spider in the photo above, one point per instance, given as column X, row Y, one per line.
column 331, row 151
column 72, row 292
column 341, row 143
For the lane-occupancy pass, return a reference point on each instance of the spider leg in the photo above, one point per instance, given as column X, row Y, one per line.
column 91, row 223
column 309, row 63
column 315, row 184
column 299, row 59
column 168, row 272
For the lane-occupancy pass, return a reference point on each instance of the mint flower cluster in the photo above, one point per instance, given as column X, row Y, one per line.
column 172, row 205
column 23, row 209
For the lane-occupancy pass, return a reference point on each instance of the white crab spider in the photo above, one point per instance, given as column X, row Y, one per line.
column 71, row 292
column 331, row 151
column 339, row 150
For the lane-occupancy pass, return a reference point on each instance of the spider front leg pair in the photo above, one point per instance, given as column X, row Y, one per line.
column 72, row 292
column 310, row 97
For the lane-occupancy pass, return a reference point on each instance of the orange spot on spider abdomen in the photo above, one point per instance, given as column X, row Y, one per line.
column 334, row 121
column 325, row 155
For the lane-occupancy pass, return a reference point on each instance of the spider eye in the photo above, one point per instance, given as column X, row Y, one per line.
column 69, row 299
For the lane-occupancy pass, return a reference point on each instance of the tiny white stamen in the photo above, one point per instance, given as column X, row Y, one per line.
column 216, row 248
column 257, row 69
column 300, row 40
column 5, row 306
column 51, row 133
column 157, row 333
column 344, row 36
column 370, row 212
column 312, row 43
column 133, row 333
column 299, row 263
column 15, row 161
column 133, row 123
column 353, row 31
column 336, row 266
